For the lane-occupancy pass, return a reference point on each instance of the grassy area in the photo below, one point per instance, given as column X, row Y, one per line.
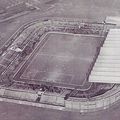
column 64, row 59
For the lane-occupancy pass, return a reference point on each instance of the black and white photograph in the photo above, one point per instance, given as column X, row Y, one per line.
column 59, row 59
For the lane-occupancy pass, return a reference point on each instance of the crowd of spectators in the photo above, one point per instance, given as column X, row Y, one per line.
column 28, row 46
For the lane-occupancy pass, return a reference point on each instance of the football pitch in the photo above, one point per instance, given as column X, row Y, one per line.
column 63, row 60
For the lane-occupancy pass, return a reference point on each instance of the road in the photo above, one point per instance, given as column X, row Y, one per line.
column 10, row 111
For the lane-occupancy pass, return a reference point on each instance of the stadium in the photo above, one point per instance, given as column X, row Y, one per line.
column 50, row 61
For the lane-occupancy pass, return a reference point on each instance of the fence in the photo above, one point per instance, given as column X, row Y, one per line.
column 94, row 104
column 73, row 104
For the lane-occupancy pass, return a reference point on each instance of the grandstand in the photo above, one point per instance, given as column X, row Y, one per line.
column 106, row 68
column 55, row 57
column 72, row 65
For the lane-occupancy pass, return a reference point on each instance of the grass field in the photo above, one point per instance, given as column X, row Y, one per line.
column 64, row 59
